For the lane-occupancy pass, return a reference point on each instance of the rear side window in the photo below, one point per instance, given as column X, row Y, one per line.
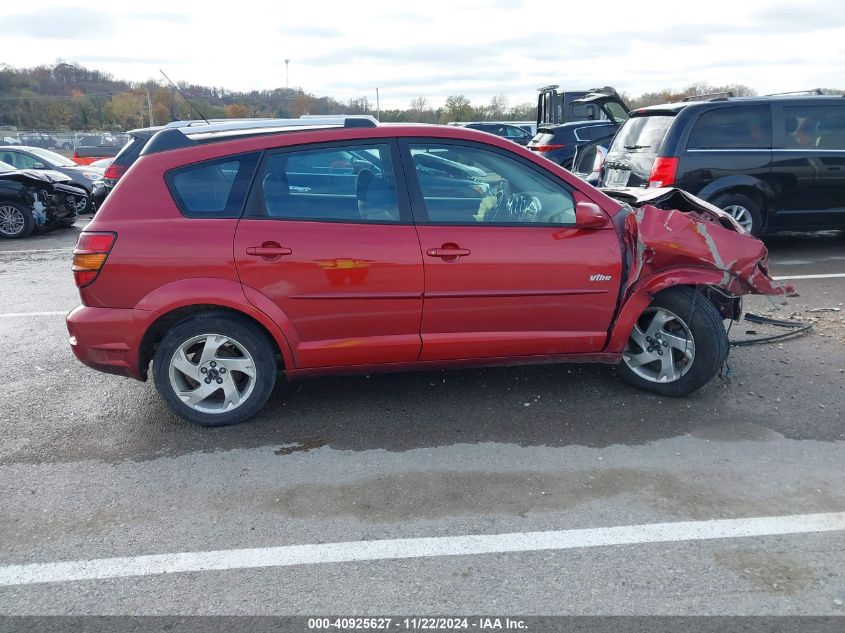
column 642, row 133
column 814, row 127
column 733, row 128
column 213, row 189
column 348, row 184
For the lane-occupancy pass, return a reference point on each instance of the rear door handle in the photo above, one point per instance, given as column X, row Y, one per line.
column 268, row 250
column 447, row 252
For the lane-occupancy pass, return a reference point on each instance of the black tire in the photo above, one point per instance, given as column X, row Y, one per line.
column 18, row 214
column 247, row 335
column 709, row 336
column 66, row 223
column 733, row 200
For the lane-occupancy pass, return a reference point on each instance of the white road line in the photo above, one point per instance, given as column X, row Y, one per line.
column 38, row 250
column 416, row 548
column 8, row 315
column 827, row 276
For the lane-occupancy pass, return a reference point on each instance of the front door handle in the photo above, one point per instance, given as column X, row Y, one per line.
column 447, row 253
column 269, row 251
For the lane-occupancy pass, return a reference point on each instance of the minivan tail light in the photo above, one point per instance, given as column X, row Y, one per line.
column 663, row 172
column 544, row 148
column 91, row 252
column 114, row 172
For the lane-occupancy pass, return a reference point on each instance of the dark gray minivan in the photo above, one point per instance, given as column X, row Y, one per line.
column 774, row 163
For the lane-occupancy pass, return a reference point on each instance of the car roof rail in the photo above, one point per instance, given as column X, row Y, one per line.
column 812, row 91
column 179, row 134
column 226, row 125
column 710, row 96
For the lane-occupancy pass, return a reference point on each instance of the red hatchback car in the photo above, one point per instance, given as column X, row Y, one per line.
column 230, row 252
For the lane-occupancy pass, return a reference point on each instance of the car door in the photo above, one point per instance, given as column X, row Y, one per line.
column 506, row 271
column 809, row 164
column 328, row 238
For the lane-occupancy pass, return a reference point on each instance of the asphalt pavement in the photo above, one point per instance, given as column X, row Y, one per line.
column 546, row 461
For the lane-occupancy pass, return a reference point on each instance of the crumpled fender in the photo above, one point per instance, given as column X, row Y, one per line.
column 659, row 240
column 699, row 245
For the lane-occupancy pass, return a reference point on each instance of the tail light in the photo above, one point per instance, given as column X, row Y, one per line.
column 114, row 172
column 544, row 148
column 90, row 254
column 663, row 172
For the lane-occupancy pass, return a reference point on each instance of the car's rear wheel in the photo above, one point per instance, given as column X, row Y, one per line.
column 742, row 208
column 15, row 221
column 677, row 345
column 215, row 369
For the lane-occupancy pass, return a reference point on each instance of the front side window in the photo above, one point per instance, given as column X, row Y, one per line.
column 349, row 184
column 814, row 127
column 214, row 188
column 470, row 185
column 733, row 128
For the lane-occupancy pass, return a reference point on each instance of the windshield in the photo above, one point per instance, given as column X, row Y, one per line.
column 642, row 134
column 53, row 158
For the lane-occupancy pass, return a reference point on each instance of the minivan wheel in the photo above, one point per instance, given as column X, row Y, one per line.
column 15, row 221
column 677, row 345
column 743, row 209
column 215, row 369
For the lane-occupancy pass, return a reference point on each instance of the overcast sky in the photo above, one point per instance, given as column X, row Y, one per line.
column 435, row 48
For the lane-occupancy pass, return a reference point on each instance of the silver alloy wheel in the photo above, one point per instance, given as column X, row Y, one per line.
column 11, row 220
column 80, row 206
column 212, row 373
column 741, row 215
column 661, row 347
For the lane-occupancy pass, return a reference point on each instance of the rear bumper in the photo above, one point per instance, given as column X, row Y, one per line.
column 108, row 339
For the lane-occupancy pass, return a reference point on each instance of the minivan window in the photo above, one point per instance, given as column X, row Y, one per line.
column 733, row 128
column 642, row 133
column 214, row 188
column 814, row 126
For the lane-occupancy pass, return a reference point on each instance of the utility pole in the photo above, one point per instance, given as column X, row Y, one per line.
column 150, row 107
column 378, row 107
column 287, row 75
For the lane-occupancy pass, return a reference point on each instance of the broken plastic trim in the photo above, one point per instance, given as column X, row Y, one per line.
column 796, row 327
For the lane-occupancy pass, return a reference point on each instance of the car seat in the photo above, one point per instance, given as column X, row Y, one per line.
column 376, row 199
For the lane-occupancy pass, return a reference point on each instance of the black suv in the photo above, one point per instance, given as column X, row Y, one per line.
column 774, row 163
column 559, row 143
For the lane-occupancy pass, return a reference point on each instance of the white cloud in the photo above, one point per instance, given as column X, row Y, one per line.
column 439, row 47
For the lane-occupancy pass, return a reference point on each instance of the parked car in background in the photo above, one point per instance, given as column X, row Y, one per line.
column 773, row 163
column 123, row 160
column 505, row 130
column 340, row 245
column 36, row 200
column 559, row 143
column 9, row 140
column 25, row 157
column 38, row 139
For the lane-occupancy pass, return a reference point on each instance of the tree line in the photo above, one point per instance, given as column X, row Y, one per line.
column 67, row 96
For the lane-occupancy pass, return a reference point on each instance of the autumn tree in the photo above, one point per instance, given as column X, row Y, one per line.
column 458, row 108
column 236, row 111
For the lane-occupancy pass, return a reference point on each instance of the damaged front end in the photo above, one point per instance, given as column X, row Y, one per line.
column 669, row 229
column 40, row 200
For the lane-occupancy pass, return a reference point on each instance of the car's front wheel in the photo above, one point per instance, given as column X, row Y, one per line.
column 215, row 369
column 15, row 220
column 677, row 345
